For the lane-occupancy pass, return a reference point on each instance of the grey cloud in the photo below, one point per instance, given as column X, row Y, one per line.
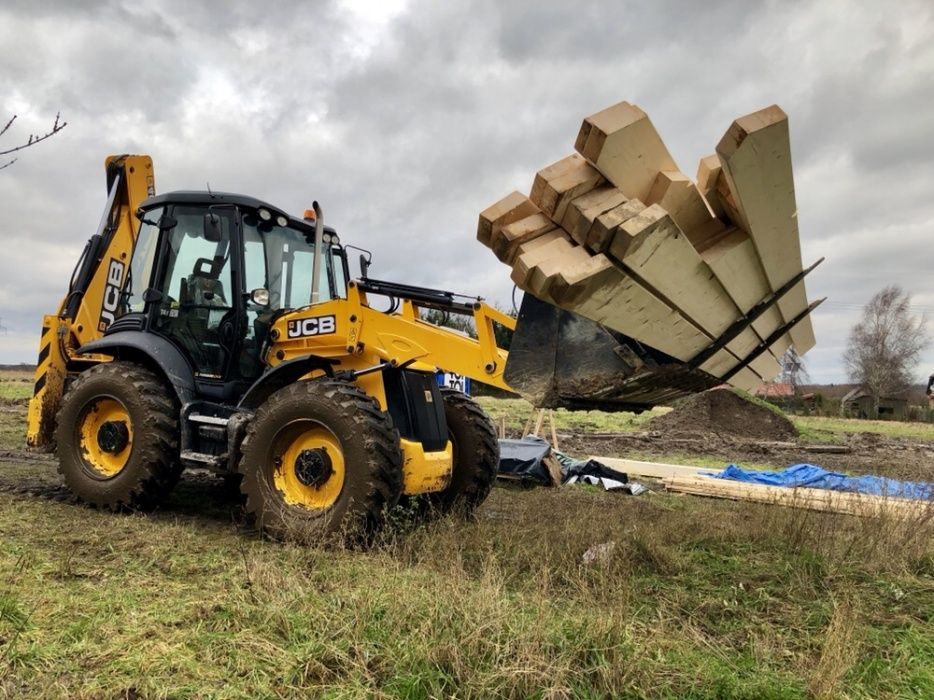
column 406, row 133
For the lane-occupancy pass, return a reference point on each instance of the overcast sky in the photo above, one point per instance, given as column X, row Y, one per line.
column 406, row 119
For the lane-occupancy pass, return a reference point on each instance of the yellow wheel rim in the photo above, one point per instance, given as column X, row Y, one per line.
column 103, row 462
column 310, row 469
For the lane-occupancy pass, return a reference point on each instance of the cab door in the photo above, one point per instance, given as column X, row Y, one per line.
column 199, row 304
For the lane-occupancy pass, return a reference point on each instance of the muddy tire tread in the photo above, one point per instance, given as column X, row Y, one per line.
column 159, row 467
column 351, row 405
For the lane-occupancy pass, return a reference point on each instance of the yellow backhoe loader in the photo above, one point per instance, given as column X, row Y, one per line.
column 213, row 330
column 190, row 323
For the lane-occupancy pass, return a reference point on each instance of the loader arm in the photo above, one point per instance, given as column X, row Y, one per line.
column 359, row 337
column 95, row 293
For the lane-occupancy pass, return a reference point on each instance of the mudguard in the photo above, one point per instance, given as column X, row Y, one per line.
column 280, row 376
column 152, row 350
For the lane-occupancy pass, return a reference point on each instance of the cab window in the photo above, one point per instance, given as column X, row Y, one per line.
column 280, row 259
column 144, row 256
column 196, row 284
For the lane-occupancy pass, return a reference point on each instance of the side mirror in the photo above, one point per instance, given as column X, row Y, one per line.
column 260, row 297
column 364, row 266
column 212, row 228
column 152, row 295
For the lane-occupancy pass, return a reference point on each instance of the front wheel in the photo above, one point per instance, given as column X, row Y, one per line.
column 320, row 459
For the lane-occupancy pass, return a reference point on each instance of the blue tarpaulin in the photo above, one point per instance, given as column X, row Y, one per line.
column 819, row 478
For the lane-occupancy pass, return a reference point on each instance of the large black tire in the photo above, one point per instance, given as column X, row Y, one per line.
column 352, row 473
column 476, row 458
column 144, row 470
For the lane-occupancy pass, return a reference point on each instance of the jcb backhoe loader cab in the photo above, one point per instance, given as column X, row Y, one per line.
column 197, row 332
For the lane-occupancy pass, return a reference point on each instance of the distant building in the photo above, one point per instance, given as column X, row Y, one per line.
column 778, row 391
column 858, row 404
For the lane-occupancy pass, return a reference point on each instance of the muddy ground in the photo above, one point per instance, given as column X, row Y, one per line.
column 716, row 426
column 869, row 453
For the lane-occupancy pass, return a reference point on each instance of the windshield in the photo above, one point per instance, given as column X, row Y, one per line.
column 279, row 259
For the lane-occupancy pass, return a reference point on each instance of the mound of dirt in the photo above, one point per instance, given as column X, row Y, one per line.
column 723, row 412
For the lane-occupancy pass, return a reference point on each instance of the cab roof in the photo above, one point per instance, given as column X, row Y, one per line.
column 196, row 197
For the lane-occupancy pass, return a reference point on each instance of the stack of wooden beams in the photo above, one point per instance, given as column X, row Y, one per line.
column 618, row 234
column 802, row 497
column 700, row 481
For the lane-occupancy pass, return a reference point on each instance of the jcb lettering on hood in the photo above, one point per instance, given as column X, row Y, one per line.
column 316, row 325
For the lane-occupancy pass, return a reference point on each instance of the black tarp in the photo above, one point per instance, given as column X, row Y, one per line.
column 522, row 459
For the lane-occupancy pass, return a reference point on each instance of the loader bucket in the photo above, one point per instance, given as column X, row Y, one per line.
column 558, row 359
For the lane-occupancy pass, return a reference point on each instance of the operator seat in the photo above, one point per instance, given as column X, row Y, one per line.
column 205, row 291
column 201, row 293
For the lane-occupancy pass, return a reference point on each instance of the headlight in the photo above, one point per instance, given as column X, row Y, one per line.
column 282, row 221
column 264, row 214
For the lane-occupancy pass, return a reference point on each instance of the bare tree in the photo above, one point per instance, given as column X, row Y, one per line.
column 885, row 346
column 33, row 139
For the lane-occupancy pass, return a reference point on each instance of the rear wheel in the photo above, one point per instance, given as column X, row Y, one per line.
column 117, row 437
column 320, row 459
column 476, row 458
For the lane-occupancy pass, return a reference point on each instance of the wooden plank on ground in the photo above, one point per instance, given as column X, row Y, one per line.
column 755, row 155
column 623, row 145
column 812, row 499
column 510, row 208
column 655, row 470
column 556, row 186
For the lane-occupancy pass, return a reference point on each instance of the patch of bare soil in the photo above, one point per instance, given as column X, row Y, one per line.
column 722, row 412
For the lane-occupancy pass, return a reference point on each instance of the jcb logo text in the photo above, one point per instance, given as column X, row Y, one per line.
column 316, row 325
column 111, row 294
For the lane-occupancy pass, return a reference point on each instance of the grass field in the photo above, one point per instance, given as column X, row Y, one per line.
column 817, row 426
column 15, row 385
column 811, row 428
column 517, row 412
column 692, row 598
